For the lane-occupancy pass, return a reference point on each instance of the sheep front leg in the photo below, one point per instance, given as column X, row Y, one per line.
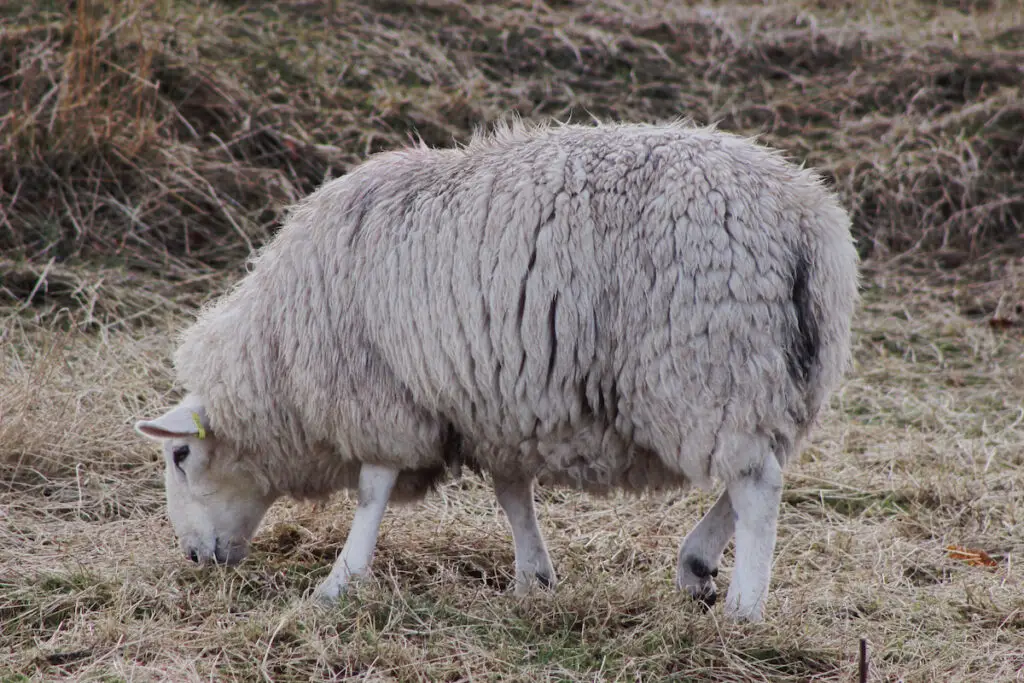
column 375, row 484
column 755, row 495
column 702, row 549
column 533, row 564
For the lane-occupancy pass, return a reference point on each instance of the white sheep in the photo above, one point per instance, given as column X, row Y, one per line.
column 638, row 307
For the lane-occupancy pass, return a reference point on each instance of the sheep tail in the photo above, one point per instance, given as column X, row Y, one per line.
column 824, row 296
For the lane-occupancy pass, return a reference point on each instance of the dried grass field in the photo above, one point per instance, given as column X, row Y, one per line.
column 147, row 146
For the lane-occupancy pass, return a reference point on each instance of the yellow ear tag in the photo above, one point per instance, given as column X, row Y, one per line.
column 199, row 425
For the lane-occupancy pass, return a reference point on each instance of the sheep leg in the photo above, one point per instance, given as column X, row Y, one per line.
column 755, row 495
column 533, row 564
column 701, row 551
column 375, row 484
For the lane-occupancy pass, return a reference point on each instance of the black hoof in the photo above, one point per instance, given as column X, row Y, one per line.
column 707, row 600
column 704, row 592
column 544, row 580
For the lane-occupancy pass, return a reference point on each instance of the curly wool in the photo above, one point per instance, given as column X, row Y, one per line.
column 610, row 306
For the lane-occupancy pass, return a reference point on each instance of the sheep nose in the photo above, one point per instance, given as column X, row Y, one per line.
column 193, row 555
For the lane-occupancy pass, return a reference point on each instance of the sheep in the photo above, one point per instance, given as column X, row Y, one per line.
column 636, row 307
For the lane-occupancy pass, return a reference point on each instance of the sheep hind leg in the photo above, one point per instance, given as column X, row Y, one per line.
column 533, row 564
column 755, row 496
column 701, row 551
column 375, row 485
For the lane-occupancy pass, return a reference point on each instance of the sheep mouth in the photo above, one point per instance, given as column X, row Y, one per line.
column 229, row 554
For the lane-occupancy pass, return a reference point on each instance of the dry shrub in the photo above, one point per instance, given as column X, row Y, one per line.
column 148, row 134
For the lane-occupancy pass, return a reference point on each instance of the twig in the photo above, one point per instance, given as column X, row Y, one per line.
column 863, row 660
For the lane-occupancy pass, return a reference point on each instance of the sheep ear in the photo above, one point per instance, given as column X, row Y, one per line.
column 188, row 418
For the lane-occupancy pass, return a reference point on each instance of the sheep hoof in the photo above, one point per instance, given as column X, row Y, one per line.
column 750, row 613
column 706, row 595
column 526, row 584
column 698, row 579
column 328, row 593
column 324, row 599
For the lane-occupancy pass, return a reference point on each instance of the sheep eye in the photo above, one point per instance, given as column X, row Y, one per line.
column 179, row 454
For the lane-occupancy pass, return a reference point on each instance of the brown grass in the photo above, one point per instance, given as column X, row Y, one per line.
column 147, row 146
column 146, row 133
column 922, row 450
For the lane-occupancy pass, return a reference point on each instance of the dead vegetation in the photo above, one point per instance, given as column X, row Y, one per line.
column 147, row 146
column 922, row 451
column 142, row 132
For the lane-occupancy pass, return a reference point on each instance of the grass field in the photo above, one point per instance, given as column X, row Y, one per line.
column 147, row 147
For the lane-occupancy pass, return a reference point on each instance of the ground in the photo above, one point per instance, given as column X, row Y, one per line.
column 147, row 147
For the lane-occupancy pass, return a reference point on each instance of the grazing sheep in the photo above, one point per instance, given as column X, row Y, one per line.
column 631, row 307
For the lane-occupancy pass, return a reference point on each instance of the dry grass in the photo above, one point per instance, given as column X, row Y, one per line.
column 160, row 133
column 147, row 147
column 923, row 449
